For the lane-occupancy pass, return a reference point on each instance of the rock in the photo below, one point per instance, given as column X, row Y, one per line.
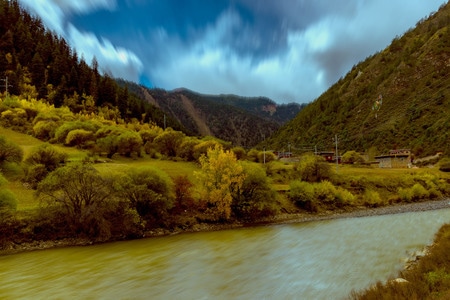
column 399, row 280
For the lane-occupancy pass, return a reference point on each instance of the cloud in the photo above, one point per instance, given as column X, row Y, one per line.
column 288, row 50
column 309, row 55
column 116, row 61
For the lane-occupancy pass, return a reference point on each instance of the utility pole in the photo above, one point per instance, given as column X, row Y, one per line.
column 6, row 85
column 337, row 159
column 264, row 149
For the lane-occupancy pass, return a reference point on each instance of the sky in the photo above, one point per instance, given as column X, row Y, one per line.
column 286, row 50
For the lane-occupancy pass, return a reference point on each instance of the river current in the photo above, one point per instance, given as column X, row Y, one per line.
column 314, row 260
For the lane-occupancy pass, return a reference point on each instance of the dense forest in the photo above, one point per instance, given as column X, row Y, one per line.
column 397, row 98
column 36, row 63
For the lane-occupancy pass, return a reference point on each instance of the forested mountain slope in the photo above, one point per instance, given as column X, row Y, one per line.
column 244, row 121
column 397, row 98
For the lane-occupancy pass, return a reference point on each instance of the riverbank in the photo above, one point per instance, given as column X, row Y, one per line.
column 355, row 212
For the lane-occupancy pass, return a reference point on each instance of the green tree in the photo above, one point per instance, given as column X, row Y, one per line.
column 255, row 198
column 168, row 142
column 149, row 191
column 82, row 195
column 220, row 176
column 129, row 142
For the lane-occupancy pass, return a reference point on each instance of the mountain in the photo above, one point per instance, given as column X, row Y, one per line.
column 37, row 64
column 396, row 98
column 244, row 121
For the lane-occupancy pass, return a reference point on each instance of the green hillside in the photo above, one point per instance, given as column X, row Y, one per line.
column 243, row 121
column 410, row 77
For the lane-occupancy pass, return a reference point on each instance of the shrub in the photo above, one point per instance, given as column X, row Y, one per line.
column 405, row 194
column 239, row 152
column 352, row 157
column 9, row 151
column 343, row 197
column 419, row 192
column 8, row 200
column 252, row 155
column 79, row 137
column 444, row 165
column 325, row 192
column 266, row 156
column 63, row 130
column 372, row 198
column 303, row 195
column 45, row 130
column 313, row 168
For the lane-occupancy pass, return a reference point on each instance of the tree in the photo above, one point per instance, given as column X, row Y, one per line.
column 168, row 142
column 255, row 198
column 129, row 142
column 82, row 194
column 220, row 175
column 149, row 191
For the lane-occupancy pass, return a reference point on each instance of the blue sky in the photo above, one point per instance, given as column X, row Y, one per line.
column 287, row 50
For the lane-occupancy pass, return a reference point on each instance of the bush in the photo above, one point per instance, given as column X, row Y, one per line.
column 313, row 168
column 352, row 157
column 42, row 160
column 8, row 200
column 266, row 156
column 343, row 197
column 325, row 192
column 9, row 151
column 45, row 130
column 419, row 192
column 372, row 198
column 79, row 138
column 303, row 195
column 405, row 194
column 444, row 165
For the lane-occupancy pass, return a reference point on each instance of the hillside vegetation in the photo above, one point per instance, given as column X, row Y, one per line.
column 243, row 121
column 409, row 79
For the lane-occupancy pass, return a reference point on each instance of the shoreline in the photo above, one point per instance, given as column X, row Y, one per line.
column 356, row 212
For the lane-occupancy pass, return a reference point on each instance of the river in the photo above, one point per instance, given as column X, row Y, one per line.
column 314, row 260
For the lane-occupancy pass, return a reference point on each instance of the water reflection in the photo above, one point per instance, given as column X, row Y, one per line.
column 319, row 260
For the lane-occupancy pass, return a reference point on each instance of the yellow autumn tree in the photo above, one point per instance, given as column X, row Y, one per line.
column 220, row 175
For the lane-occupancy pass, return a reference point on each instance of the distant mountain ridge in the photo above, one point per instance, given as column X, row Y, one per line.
column 397, row 98
column 244, row 121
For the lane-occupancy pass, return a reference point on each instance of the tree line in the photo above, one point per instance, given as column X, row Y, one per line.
column 41, row 65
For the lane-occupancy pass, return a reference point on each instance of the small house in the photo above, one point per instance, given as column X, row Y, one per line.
column 395, row 159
